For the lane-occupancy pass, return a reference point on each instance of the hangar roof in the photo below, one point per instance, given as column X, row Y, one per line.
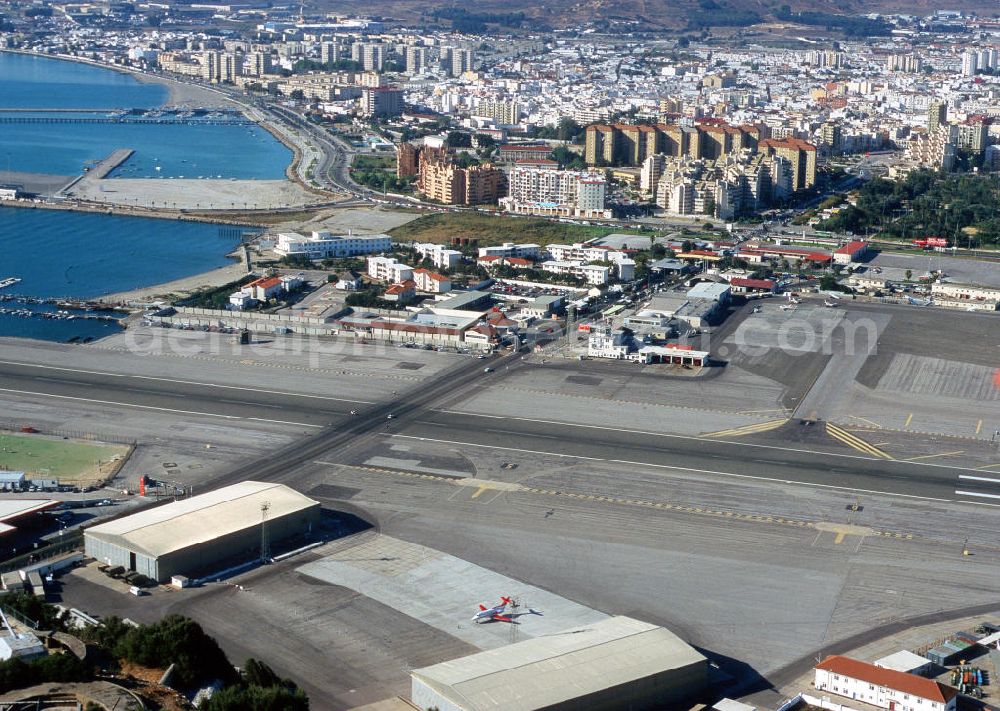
column 202, row 518
column 543, row 671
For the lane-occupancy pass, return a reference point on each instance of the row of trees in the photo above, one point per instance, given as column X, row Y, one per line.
column 963, row 208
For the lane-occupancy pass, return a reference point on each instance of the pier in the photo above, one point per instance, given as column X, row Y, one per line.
column 199, row 117
column 104, row 168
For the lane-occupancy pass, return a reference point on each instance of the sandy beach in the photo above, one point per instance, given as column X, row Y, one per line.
column 159, row 292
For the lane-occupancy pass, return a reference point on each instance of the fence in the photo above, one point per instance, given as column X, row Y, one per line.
column 68, row 542
column 107, row 438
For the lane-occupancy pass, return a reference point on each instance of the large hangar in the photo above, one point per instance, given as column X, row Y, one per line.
column 191, row 535
column 617, row 663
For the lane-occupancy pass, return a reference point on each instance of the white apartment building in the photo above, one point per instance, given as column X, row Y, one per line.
column 562, row 193
column 885, row 688
column 322, row 245
column 591, row 273
column 429, row 281
column 509, row 249
column 440, row 256
column 388, row 269
column 588, row 253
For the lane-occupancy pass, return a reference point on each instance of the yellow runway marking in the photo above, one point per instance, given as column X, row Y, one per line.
column 857, row 443
column 988, row 466
column 839, row 538
column 748, row 429
column 479, row 492
column 979, row 426
column 939, row 454
column 909, row 419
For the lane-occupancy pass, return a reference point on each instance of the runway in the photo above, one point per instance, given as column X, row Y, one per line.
column 791, row 454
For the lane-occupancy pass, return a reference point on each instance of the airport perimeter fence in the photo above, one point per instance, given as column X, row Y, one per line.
column 98, row 437
column 70, row 541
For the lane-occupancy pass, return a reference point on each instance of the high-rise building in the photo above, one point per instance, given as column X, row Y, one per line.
column 456, row 60
column 329, row 52
column 937, row 115
column 416, row 60
column 557, row 193
column 218, row 67
column 972, row 134
column 440, row 179
column 970, row 63
column 407, row 159
column 381, row 101
column 904, row 63
column 652, row 169
column 504, row 112
column 800, row 154
column 830, row 136
column 373, row 57
column 258, row 64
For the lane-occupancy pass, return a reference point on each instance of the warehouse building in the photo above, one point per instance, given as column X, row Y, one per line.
column 616, row 663
column 195, row 534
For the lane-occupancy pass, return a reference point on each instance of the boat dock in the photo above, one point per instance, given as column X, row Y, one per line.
column 9, row 281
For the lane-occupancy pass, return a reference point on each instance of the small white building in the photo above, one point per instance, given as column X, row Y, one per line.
column 608, row 344
column 323, row 245
column 509, row 249
column 905, row 661
column 885, row 688
column 439, row 255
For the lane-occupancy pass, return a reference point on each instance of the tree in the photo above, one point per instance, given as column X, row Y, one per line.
column 909, row 274
column 180, row 641
column 459, row 139
column 257, row 698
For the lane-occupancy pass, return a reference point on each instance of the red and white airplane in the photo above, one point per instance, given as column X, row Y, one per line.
column 495, row 613
column 498, row 613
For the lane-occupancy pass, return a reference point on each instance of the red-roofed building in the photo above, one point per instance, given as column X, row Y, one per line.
column 402, row 292
column 432, row 282
column 752, row 286
column 759, row 252
column 264, row 288
column 514, row 153
column 853, row 251
column 885, row 688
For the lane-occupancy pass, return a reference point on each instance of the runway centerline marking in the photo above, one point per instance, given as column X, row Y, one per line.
column 979, row 426
column 733, row 475
column 939, row 454
column 976, row 493
column 181, row 382
column 158, row 409
column 979, row 478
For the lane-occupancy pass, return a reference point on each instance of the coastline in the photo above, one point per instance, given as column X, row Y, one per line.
column 183, row 93
column 185, row 285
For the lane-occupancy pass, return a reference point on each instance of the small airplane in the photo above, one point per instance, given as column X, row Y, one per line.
column 830, row 304
column 498, row 613
column 495, row 613
column 792, row 299
column 919, row 302
column 972, row 308
column 757, row 309
column 787, row 307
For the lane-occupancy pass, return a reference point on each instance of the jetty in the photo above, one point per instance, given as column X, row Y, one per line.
column 193, row 117
column 102, row 169
column 9, row 281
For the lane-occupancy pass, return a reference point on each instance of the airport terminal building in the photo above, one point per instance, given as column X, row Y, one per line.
column 616, row 663
column 194, row 534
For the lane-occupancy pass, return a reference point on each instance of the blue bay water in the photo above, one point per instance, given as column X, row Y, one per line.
column 161, row 151
column 58, row 253
column 85, row 255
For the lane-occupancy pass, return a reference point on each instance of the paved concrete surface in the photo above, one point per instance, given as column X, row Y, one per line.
column 194, row 194
column 444, row 591
column 970, row 271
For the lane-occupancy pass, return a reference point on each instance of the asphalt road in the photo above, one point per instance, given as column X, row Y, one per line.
column 791, row 454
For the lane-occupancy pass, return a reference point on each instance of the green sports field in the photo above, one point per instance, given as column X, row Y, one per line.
column 70, row 461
